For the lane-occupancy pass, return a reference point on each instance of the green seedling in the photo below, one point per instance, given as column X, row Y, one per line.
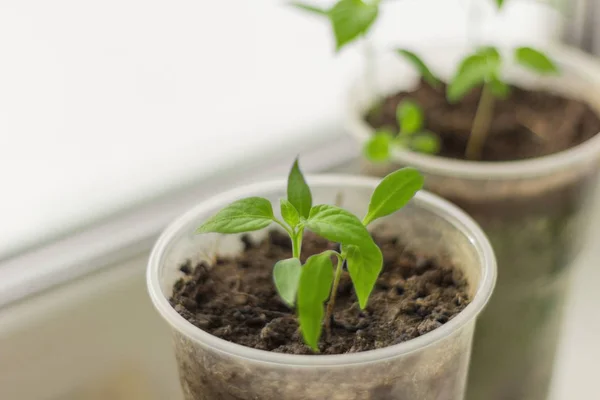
column 350, row 19
column 422, row 68
column 483, row 69
column 308, row 287
column 411, row 135
column 480, row 69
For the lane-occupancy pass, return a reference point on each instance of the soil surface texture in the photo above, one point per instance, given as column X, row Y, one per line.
column 236, row 299
column 527, row 124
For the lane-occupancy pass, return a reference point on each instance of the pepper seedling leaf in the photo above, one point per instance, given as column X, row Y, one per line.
column 298, row 192
column 426, row 142
column 393, row 193
column 377, row 148
column 535, row 60
column 475, row 70
column 244, row 215
column 337, row 225
column 401, row 141
column 351, row 19
column 311, row 285
column 289, row 213
column 286, row 275
column 409, row 117
column 491, row 55
column 420, row 65
column 315, row 284
column 499, row 88
column 309, row 8
column 364, row 265
column 473, row 73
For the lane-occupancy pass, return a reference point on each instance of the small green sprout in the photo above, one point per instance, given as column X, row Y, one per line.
column 308, row 287
column 421, row 67
column 349, row 19
column 411, row 135
column 483, row 69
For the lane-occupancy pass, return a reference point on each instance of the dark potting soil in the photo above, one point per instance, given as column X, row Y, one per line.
column 527, row 124
column 236, row 299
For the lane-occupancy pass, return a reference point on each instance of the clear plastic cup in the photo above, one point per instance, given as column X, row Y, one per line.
column 431, row 367
column 535, row 213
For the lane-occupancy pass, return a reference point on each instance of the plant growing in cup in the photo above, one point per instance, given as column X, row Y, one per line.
column 316, row 302
column 310, row 285
column 482, row 68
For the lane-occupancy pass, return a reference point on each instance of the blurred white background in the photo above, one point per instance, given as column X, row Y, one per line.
column 103, row 104
column 110, row 110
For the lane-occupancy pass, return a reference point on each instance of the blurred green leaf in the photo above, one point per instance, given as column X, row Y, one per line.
column 401, row 141
column 474, row 71
column 409, row 116
column 426, row 142
column 377, row 148
column 420, row 65
column 314, row 288
column 351, row 19
column 535, row 60
column 499, row 88
column 491, row 54
column 309, row 8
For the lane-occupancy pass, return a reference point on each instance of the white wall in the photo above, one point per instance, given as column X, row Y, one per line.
column 104, row 104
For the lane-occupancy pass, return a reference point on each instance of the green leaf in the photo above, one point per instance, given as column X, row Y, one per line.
column 491, row 55
column 309, row 8
column 289, row 213
column 364, row 265
column 393, row 193
column 298, row 192
column 244, row 215
column 377, row 148
column 337, row 225
column 499, row 88
column 426, row 142
column 351, row 19
column 535, row 60
column 409, row 116
column 315, row 285
column 286, row 274
column 420, row 65
column 402, row 141
column 499, row 3
column 474, row 71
